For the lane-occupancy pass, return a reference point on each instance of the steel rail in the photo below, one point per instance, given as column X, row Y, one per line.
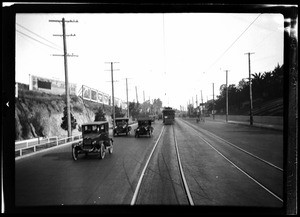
column 229, row 143
column 241, row 170
column 186, row 188
column 134, row 198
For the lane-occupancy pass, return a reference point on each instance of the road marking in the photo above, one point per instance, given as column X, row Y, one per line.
column 229, row 143
column 261, row 185
column 143, row 172
column 191, row 202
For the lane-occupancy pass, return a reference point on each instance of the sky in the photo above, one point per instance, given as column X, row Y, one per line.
column 171, row 56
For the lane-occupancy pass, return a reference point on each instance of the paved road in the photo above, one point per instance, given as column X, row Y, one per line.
column 212, row 168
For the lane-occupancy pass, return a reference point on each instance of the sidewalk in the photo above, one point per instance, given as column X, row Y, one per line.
column 267, row 126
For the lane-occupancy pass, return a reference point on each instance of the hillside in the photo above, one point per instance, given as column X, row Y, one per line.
column 39, row 114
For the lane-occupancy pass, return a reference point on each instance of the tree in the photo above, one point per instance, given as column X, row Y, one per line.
column 134, row 109
column 118, row 113
column 64, row 123
column 157, row 105
column 100, row 115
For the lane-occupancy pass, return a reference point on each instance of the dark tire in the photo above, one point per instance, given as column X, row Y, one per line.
column 102, row 151
column 74, row 153
column 111, row 148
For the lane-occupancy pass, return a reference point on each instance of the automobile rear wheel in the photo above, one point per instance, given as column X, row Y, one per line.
column 111, row 148
column 74, row 153
column 102, row 151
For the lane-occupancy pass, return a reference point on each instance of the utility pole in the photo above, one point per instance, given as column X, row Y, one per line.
column 226, row 95
column 144, row 95
column 65, row 55
column 112, row 90
column 250, row 89
column 201, row 103
column 197, row 109
column 136, row 94
column 127, row 99
column 213, row 101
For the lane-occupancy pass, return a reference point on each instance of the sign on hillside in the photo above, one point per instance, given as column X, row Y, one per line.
column 50, row 85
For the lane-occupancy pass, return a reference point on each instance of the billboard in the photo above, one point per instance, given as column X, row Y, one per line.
column 50, row 85
column 94, row 95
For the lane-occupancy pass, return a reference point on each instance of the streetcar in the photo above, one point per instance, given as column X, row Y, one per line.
column 122, row 127
column 95, row 139
column 168, row 115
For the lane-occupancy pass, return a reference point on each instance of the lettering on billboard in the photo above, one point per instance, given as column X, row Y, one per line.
column 86, row 92
column 93, row 95
column 105, row 100
column 50, row 85
column 100, row 97
column 44, row 84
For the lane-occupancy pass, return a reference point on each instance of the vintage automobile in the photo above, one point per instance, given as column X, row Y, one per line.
column 122, row 127
column 95, row 139
column 144, row 127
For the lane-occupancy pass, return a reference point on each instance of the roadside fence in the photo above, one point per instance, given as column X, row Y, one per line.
column 37, row 144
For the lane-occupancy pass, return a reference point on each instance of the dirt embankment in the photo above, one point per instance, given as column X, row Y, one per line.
column 40, row 114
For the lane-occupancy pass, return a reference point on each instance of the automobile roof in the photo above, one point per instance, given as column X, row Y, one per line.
column 95, row 123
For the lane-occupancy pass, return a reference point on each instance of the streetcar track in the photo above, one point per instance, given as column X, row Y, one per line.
column 134, row 198
column 241, row 170
column 169, row 178
column 229, row 143
column 186, row 188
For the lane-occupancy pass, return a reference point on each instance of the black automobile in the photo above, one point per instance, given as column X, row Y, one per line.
column 122, row 127
column 144, row 127
column 95, row 139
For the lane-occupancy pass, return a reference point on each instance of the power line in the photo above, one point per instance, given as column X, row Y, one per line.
column 36, row 40
column 234, row 41
column 39, row 36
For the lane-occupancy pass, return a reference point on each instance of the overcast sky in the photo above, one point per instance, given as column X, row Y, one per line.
column 171, row 56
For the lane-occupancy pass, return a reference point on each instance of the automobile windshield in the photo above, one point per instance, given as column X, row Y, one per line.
column 93, row 129
column 144, row 123
column 121, row 123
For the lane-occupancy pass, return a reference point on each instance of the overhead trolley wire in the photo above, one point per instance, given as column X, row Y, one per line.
column 37, row 40
column 57, row 46
column 39, row 36
column 234, row 42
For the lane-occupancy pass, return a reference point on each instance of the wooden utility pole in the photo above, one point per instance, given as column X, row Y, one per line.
column 201, row 103
column 136, row 94
column 250, row 89
column 112, row 90
column 213, row 101
column 65, row 55
column 127, row 99
column 226, row 95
